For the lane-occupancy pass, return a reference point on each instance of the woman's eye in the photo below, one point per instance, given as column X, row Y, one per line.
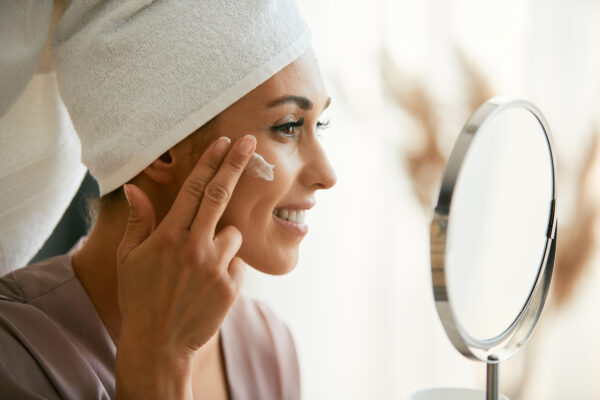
column 323, row 124
column 288, row 128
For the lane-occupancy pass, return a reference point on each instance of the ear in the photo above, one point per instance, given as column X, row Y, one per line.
column 163, row 170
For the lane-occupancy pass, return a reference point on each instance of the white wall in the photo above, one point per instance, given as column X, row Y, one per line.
column 359, row 303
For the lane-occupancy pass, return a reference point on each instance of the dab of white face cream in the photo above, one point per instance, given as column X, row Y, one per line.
column 259, row 168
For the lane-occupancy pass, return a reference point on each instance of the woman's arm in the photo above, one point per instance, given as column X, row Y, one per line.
column 148, row 370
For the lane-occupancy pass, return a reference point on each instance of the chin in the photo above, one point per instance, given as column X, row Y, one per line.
column 272, row 265
column 277, row 270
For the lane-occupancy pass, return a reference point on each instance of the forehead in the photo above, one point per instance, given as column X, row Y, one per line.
column 300, row 78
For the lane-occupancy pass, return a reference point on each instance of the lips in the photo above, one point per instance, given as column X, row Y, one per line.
column 302, row 205
column 296, row 229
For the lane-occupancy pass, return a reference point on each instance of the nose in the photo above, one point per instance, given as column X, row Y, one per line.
column 318, row 171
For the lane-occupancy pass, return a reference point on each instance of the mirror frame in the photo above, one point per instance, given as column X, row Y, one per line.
column 506, row 344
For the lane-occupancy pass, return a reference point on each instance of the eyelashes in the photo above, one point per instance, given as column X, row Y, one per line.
column 289, row 128
column 324, row 124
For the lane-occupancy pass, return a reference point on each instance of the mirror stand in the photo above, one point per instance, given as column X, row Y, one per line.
column 491, row 388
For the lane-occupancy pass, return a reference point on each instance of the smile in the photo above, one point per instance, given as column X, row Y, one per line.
column 299, row 229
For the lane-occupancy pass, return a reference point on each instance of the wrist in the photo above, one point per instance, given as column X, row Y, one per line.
column 147, row 371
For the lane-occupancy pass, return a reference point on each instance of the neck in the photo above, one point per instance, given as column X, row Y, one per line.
column 95, row 266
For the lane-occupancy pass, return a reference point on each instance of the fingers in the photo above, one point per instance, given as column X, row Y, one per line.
column 237, row 271
column 140, row 222
column 185, row 206
column 217, row 192
column 229, row 240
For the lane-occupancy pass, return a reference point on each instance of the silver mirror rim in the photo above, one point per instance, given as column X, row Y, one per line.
column 507, row 343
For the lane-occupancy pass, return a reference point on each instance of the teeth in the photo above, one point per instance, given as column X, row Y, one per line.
column 295, row 216
column 292, row 216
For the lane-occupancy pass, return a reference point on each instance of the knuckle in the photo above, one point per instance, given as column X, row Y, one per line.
column 194, row 188
column 234, row 237
column 217, row 194
column 237, row 162
column 213, row 274
column 168, row 238
column 226, row 289
column 193, row 256
column 232, row 233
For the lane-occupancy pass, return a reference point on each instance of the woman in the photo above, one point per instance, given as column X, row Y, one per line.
column 147, row 305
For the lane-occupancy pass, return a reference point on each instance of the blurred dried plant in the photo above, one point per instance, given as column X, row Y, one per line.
column 576, row 239
column 426, row 163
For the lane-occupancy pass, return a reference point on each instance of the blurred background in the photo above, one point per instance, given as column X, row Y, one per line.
column 404, row 77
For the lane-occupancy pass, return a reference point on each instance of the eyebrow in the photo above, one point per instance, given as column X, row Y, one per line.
column 301, row 101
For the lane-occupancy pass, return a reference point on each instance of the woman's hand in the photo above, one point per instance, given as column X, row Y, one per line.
column 177, row 282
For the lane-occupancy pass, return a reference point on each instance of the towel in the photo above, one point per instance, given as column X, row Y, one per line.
column 131, row 78
column 138, row 76
column 40, row 162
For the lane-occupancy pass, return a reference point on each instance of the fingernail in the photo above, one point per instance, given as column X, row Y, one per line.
column 127, row 192
column 246, row 144
column 222, row 145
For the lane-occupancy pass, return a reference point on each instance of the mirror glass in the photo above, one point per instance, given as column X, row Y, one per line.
column 498, row 221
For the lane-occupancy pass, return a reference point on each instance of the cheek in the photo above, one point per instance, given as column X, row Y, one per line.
column 250, row 210
column 254, row 199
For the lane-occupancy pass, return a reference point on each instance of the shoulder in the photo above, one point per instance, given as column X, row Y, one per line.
column 29, row 295
column 25, row 295
column 28, row 283
column 47, row 331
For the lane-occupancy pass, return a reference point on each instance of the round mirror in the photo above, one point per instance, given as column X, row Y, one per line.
column 493, row 231
column 498, row 222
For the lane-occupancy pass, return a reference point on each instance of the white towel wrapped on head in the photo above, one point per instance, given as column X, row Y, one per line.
column 139, row 76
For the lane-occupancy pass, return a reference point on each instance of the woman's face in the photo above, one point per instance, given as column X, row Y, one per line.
column 283, row 114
